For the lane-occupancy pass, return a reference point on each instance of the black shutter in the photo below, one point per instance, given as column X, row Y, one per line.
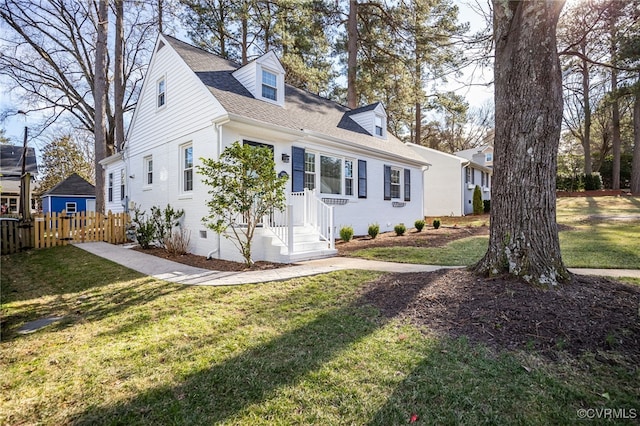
column 407, row 185
column 297, row 169
column 362, row 179
column 387, row 182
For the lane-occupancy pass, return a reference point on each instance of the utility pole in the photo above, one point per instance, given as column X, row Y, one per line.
column 25, row 180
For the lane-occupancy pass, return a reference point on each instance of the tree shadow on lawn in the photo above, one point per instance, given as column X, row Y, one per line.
column 87, row 306
column 225, row 389
column 57, row 271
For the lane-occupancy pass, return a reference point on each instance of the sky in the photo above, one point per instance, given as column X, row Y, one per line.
column 477, row 95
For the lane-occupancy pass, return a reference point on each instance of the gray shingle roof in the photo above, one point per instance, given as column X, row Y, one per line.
column 73, row 185
column 11, row 160
column 302, row 111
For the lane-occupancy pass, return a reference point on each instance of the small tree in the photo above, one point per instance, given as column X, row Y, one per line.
column 244, row 188
column 478, row 207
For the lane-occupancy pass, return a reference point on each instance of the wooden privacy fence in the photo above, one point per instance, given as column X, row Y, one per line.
column 59, row 229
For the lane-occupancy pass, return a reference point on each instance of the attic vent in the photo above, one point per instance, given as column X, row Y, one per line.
column 160, row 45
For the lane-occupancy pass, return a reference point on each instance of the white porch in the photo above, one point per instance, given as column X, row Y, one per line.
column 304, row 230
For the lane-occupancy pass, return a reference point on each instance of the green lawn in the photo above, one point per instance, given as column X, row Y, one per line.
column 593, row 241
column 134, row 350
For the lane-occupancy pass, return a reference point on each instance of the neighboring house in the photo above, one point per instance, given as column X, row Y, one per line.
column 10, row 173
column 450, row 180
column 482, row 156
column 73, row 195
column 479, row 172
column 342, row 164
column 443, row 182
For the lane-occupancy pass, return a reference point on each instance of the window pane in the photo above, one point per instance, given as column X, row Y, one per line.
column 188, row 180
column 309, row 162
column 330, row 175
column 269, row 92
column 269, row 78
column 188, row 157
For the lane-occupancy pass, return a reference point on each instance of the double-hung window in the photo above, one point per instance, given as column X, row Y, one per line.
column 122, row 182
column 110, row 188
column 395, row 183
column 162, row 89
column 187, row 168
column 148, row 170
column 269, row 85
column 70, row 207
column 348, row 177
column 310, row 170
column 379, row 128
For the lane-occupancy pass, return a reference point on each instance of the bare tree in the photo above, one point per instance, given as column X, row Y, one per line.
column 528, row 97
column 100, row 99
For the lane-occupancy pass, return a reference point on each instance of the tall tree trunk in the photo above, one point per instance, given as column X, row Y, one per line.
column 160, row 17
column 100, row 96
column 352, row 50
column 118, row 76
column 586, row 141
column 245, row 33
column 615, row 107
column 635, row 165
column 615, row 130
column 528, row 96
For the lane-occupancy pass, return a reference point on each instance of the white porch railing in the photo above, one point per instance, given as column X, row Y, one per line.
column 304, row 209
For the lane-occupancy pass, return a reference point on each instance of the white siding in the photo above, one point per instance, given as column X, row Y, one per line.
column 160, row 132
column 247, row 77
column 152, row 126
column 443, row 181
column 116, row 205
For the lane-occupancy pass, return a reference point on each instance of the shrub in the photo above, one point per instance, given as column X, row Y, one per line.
column 487, row 205
column 592, row 182
column 374, row 230
column 145, row 229
column 419, row 224
column 436, row 223
column 164, row 221
column 346, row 233
column 400, row 229
column 477, row 200
column 178, row 242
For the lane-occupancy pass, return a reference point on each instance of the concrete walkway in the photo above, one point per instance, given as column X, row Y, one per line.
column 167, row 270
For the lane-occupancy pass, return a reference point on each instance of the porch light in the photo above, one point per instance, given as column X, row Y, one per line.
column 285, row 157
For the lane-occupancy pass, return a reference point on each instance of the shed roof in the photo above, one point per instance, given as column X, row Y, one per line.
column 74, row 185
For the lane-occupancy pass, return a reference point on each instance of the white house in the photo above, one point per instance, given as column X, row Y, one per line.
column 344, row 168
column 479, row 172
column 450, row 180
column 443, row 182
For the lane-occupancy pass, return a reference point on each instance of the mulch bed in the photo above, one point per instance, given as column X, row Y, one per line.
column 429, row 237
column 590, row 314
column 212, row 264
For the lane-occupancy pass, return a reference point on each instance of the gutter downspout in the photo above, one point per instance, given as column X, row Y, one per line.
column 464, row 185
column 218, row 127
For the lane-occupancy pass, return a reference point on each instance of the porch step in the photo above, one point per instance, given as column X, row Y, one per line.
column 307, row 245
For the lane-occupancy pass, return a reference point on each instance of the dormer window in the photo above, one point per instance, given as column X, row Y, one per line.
column 263, row 78
column 372, row 118
column 269, row 85
column 379, row 128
